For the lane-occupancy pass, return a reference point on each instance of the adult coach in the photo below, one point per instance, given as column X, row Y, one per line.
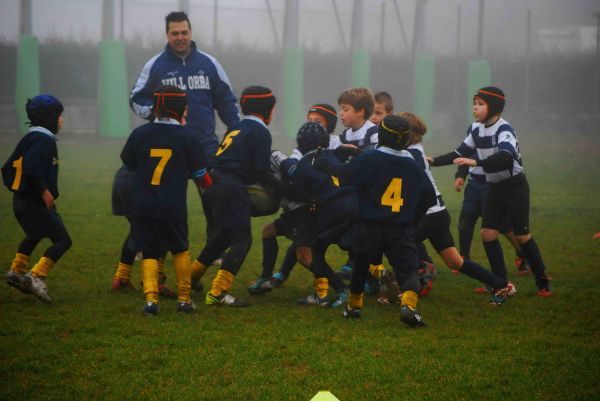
column 201, row 77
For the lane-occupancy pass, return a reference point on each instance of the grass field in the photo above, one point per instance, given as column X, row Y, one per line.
column 92, row 344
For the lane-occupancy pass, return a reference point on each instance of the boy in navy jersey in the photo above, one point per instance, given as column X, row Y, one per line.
column 495, row 142
column 164, row 155
column 31, row 173
column 393, row 192
column 241, row 159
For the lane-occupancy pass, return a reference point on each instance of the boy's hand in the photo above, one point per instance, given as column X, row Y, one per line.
column 458, row 184
column 48, row 199
column 464, row 161
column 429, row 160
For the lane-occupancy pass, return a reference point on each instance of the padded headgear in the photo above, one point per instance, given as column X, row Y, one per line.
column 169, row 102
column 258, row 101
column 394, row 132
column 495, row 99
column 43, row 111
column 311, row 136
column 328, row 113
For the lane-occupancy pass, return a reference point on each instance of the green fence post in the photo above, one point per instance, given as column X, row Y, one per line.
column 28, row 77
column 113, row 98
column 479, row 76
column 294, row 113
column 424, row 88
column 361, row 69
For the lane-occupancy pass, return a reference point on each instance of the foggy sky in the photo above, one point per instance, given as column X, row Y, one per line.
column 247, row 22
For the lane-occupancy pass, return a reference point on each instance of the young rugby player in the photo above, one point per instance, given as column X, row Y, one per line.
column 393, row 192
column 241, row 159
column 164, row 155
column 356, row 106
column 31, row 173
column 384, row 106
column 435, row 226
column 495, row 142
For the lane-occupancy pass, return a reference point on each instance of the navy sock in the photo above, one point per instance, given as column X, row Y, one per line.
column 479, row 273
column 289, row 261
column 532, row 252
column 270, row 250
column 493, row 250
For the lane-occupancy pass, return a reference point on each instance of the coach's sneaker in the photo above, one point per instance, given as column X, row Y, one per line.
column 411, row 316
column 186, row 307
column 151, row 309
column 388, row 288
column 224, row 299
column 313, row 299
column 523, row 266
column 278, row 279
column 197, row 286
column 544, row 289
column 38, row 287
column 17, row 280
column 351, row 313
column 500, row 296
column 121, row 285
column 340, row 298
column 260, row 286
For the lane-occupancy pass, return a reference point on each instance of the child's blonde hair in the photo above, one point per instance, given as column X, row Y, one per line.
column 417, row 126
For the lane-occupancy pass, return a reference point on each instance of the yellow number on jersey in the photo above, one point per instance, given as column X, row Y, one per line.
column 227, row 142
column 165, row 155
column 392, row 196
column 335, row 180
column 18, row 165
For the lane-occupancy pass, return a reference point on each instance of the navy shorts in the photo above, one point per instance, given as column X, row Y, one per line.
column 436, row 228
column 336, row 221
column 154, row 238
column 36, row 220
column 508, row 199
column 122, row 192
column 475, row 194
column 298, row 225
column 227, row 203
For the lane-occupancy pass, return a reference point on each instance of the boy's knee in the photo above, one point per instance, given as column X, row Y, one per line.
column 269, row 231
column 304, row 256
column 488, row 234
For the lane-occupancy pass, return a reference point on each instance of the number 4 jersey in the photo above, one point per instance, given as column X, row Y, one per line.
column 164, row 155
column 391, row 187
column 33, row 165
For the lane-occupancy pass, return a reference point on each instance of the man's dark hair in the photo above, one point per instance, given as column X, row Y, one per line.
column 177, row 16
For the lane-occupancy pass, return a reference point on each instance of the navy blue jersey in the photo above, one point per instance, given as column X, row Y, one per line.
column 33, row 165
column 206, row 86
column 315, row 184
column 164, row 156
column 245, row 151
column 391, row 187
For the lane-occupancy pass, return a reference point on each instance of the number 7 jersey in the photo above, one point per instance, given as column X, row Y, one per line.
column 391, row 187
column 164, row 155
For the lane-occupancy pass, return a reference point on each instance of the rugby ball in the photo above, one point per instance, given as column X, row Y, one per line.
column 263, row 200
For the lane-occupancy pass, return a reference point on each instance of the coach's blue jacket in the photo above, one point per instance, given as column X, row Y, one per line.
column 204, row 81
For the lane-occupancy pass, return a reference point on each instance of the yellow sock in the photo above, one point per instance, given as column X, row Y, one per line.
column 321, row 286
column 123, row 272
column 198, row 270
column 19, row 263
column 410, row 299
column 376, row 270
column 222, row 282
column 355, row 301
column 150, row 279
column 42, row 268
column 183, row 270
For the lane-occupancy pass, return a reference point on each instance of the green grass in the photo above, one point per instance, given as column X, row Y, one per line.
column 92, row 344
